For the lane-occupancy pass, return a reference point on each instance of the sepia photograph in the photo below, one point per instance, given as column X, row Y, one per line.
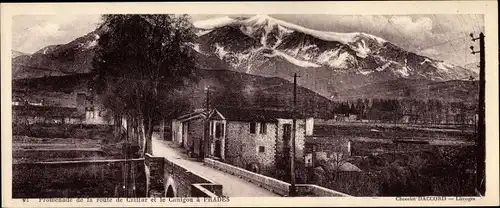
column 182, row 106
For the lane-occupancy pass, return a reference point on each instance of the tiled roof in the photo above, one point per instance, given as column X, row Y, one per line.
column 238, row 114
column 193, row 115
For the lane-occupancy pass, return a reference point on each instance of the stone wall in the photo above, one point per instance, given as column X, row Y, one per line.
column 206, row 190
column 280, row 187
column 195, row 132
column 242, row 147
column 98, row 178
column 317, row 191
column 274, row 185
column 299, row 137
column 164, row 175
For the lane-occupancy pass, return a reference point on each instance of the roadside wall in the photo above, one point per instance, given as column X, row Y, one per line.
column 168, row 179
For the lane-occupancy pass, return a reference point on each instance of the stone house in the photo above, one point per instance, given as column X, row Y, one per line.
column 188, row 132
column 253, row 139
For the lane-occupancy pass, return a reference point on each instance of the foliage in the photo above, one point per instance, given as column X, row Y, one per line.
column 441, row 171
column 143, row 63
column 392, row 110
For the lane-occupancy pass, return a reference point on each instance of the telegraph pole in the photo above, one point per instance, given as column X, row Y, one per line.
column 481, row 127
column 206, row 142
column 294, row 130
column 208, row 97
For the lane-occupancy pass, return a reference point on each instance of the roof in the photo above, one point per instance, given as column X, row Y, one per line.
column 347, row 167
column 196, row 114
column 239, row 114
column 342, row 167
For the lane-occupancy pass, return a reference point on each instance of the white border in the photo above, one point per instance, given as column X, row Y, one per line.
column 488, row 8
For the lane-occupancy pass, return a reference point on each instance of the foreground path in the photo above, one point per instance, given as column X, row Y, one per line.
column 233, row 186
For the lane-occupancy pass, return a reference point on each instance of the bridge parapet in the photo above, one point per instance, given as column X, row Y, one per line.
column 280, row 187
column 167, row 179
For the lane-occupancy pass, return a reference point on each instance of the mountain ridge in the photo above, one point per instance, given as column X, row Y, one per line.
column 333, row 64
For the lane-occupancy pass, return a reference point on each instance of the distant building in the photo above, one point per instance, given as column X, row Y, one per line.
column 408, row 118
column 30, row 114
column 249, row 138
column 345, row 117
column 327, row 145
column 188, row 131
column 35, row 111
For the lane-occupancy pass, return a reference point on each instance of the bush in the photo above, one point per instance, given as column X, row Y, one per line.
column 440, row 171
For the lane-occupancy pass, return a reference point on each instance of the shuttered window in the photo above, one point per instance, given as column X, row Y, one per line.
column 263, row 128
column 252, row 128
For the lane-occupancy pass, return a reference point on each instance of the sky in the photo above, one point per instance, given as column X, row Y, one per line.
column 443, row 37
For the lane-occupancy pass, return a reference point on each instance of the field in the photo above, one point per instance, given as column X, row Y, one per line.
column 56, row 160
column 402, row 162
column 392, row 131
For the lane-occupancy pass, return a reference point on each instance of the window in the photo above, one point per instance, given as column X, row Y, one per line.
column 263, row 128
column 252, row 128
column 287, row 133
column 261, row 148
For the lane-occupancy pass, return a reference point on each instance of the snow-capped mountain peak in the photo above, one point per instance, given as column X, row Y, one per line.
column 250, row 44
column 264, row 21
column 213, row 23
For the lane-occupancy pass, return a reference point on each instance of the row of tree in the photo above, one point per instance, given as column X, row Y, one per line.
column 394, row 109
column 142, row 63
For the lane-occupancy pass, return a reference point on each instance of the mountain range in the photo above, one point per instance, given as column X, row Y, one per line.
column 18, row 53
column 335, row 65
column 227, row 89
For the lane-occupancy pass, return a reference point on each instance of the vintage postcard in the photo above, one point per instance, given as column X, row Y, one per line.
column 250, row 104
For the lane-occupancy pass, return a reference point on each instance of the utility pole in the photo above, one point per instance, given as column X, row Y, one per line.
column 206, row 139
column 207, row 88
column 481, row 129
column 294, row 130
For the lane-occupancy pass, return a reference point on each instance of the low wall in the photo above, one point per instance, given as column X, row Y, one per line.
column 62, row 130
column 164, row 174
column 66, row 154
column 206, row 190
column 318, row 191
column 280, row 187
column 272, row 184
column 93, row 178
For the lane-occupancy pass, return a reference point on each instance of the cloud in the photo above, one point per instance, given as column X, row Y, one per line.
column 47, row 29
column 430, row 52
column 34, row 32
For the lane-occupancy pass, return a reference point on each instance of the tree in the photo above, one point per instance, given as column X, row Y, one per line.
column 143, row 64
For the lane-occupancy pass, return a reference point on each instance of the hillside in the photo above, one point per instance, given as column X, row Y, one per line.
column 228, row 88
column 455, row 90
column 57, row 60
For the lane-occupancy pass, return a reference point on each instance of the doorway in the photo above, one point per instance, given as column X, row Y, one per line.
column 217, row 152
column 170, row 192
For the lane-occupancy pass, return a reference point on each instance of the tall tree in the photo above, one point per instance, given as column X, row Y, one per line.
column 143, row 63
